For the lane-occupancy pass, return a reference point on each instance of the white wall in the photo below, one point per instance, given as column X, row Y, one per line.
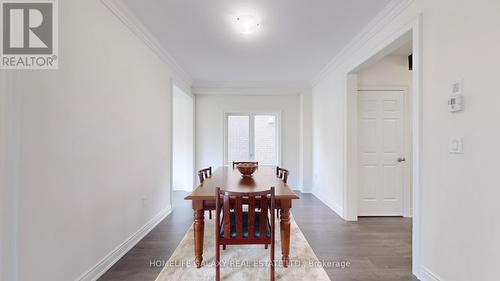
column 305, row 161
column 95, row 141
column 8, row 179
column 328, row 143
column 183, row 140
column 4, row 211
column 210, row 127
column 392, row 70
column 458, row 192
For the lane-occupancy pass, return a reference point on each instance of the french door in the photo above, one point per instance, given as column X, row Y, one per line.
column 252, row 137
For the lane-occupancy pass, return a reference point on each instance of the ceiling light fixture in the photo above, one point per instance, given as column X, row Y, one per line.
column 247, row 24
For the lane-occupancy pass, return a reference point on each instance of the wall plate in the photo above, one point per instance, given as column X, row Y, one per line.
column 456, row 145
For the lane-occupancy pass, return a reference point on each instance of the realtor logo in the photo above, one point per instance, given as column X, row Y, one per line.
column 29, row 35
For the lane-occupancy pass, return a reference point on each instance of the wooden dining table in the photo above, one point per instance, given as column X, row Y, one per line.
column 230, row 179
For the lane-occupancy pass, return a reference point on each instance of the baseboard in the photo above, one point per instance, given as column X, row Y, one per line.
column 306, row 190
column 427, row 275
column 301, row 189
column 407, row 212
column 336, row 208
column 110, row 259
column 183, row 189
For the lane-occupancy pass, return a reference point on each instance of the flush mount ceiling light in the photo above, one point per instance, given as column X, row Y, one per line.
column 247, row 24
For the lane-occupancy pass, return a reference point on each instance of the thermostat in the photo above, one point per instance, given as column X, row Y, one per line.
column 456, row 100
column 456, row 103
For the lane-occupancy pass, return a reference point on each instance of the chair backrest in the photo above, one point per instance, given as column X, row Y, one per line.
column 247, row 162
column 226, row 201
column 282, row 173
column 203, row 174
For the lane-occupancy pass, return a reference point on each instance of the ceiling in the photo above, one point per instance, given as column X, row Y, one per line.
column 297, row 38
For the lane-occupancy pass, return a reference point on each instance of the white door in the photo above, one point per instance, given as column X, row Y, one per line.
column 381, row 147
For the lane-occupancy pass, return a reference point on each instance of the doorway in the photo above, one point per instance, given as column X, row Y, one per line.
column 410, row 35
column 183, row 175
column 384, row 89
column 383, row 132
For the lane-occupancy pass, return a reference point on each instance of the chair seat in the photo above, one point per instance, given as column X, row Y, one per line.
column 245, row 225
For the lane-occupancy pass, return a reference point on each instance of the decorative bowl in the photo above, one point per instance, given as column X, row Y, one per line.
column 247, row 181
column 246, row 169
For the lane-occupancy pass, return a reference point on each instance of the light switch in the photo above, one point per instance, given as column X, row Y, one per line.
column 456, row 145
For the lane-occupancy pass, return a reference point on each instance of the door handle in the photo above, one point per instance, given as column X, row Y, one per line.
column 401, row 159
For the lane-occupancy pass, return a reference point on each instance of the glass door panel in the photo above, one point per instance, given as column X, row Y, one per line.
column 265, row 139
column 238, row 138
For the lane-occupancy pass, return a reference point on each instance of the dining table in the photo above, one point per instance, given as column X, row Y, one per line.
column 230, row 179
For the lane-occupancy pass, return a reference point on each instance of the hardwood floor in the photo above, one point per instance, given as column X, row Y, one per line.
column 378, row 249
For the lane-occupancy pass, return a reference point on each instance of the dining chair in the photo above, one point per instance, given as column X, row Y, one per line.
column 238, row 227
column 245, row 162
column 203, row 174
column 282, row 173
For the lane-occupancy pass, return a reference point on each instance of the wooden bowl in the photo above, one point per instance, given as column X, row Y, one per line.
column 246, row 169
column 247, row 181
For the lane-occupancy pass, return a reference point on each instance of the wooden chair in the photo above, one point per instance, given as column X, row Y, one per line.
column 247, row 162
column 237, row 227
column 203, row 174
column 282, row 173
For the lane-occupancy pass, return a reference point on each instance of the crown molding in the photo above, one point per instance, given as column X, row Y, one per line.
column 387, row 15
column 252, row 88
column 125, row 15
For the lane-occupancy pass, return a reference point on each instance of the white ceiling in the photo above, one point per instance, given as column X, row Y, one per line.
column 296, row 40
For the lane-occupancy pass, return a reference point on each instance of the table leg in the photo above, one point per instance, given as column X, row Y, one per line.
column 285, row 233
column 199, row 224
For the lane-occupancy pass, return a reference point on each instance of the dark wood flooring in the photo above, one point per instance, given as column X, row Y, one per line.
column 378, row 249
